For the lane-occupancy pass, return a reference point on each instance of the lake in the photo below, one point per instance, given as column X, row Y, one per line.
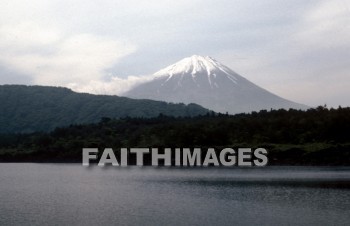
column 70, row 194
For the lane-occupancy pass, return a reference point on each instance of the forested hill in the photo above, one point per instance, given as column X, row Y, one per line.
column 38, row 108
column 313, row 137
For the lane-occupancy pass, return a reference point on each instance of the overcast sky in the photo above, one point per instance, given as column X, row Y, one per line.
column 297, row 49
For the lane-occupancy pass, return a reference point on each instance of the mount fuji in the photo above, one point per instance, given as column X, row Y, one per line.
column 205, row 81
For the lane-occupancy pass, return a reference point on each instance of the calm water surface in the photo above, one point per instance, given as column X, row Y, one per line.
column 70, row 194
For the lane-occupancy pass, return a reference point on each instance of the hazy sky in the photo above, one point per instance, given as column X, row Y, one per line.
column 297, row 49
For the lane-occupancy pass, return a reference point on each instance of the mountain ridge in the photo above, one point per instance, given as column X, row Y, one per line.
column 26, row 109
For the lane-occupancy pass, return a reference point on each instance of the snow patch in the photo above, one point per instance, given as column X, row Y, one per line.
column 196, row 65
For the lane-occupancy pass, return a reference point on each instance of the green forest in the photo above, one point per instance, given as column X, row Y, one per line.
column 318, row 136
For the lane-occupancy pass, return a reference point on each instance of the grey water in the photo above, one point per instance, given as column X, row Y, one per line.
column 71, row 194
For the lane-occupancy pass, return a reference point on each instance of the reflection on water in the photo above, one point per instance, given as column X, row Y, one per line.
column 46, row 194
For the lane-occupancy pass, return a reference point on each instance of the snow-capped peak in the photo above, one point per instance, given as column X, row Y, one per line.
column 205, row 81
column 194, row 65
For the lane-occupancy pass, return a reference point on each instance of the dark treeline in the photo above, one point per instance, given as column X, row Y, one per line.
column 314, row 137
